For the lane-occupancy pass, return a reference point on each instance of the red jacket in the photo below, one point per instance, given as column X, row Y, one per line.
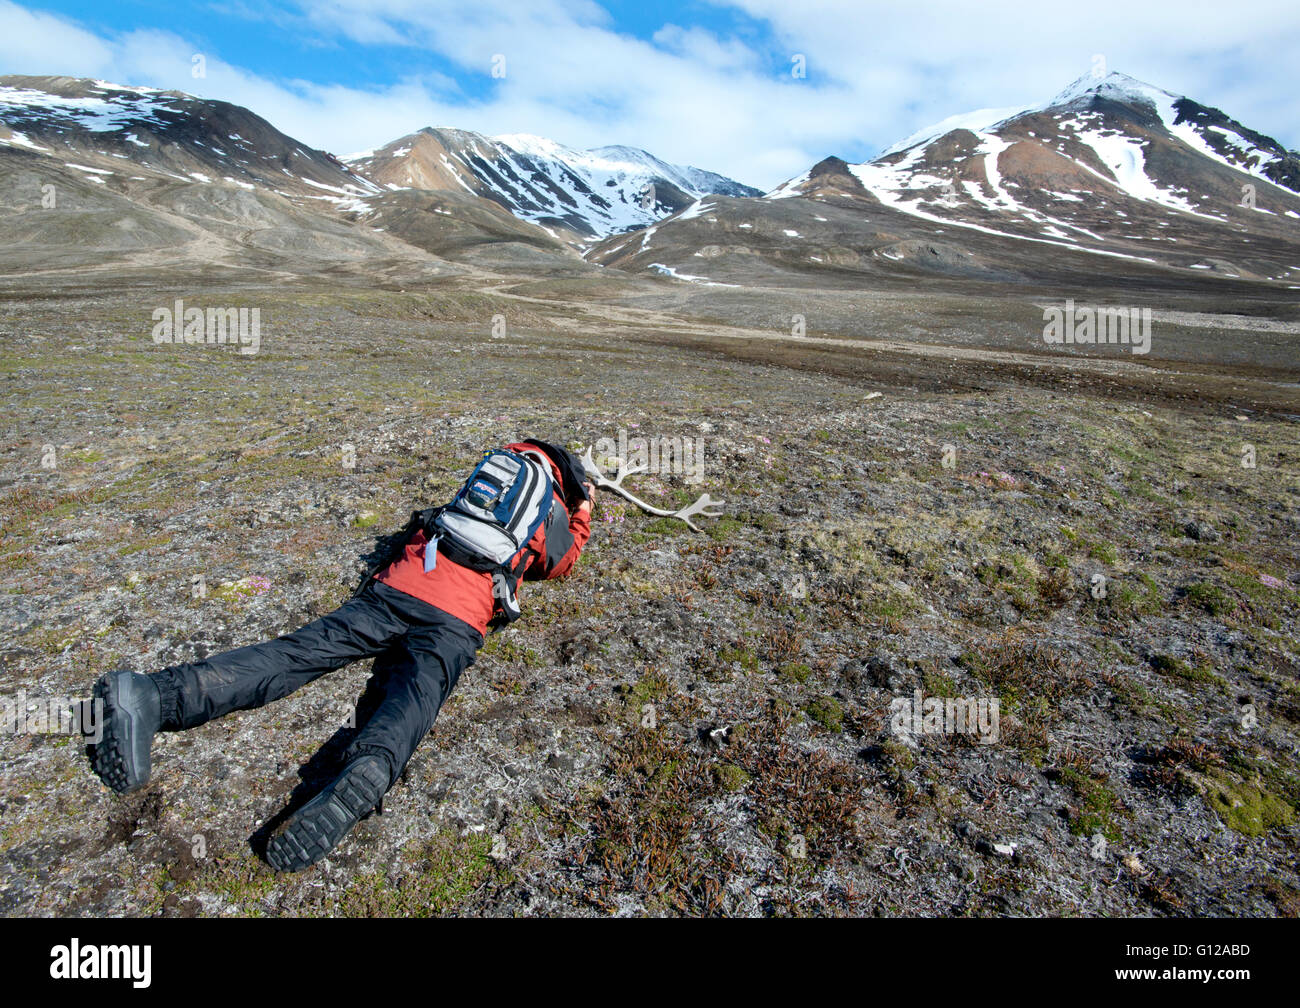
column 467, row 594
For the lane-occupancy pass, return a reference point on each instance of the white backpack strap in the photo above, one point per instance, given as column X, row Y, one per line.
column 541, row 459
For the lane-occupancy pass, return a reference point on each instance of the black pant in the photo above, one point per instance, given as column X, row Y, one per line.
column 420, row 653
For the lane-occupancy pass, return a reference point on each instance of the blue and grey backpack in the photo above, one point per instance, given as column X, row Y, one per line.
column 492, row 519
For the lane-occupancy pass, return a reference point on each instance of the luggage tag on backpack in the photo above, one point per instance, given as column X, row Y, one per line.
column 431, row 552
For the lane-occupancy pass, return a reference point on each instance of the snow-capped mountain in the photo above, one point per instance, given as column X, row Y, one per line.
column 105, row 130
column 1112, row 174
column 137, row 167
column 1207, row 130
column 1108, row 162
column 588, row 193
column 1120, row 172
column 162, row 179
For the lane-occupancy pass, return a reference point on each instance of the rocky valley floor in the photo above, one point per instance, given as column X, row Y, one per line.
column 693, row 723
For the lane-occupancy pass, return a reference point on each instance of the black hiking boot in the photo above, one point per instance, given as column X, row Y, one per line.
column 316, row 828
column 131, row 717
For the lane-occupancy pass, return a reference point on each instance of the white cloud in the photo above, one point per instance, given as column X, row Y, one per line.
column 877, row 72
column 30, row 40
column 919, row 63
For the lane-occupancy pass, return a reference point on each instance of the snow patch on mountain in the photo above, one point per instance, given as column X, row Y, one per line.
column 910, row 191
column 1122, row 88
column 1123, row 155
column 696, row 209
column 979, row 121
column 792, row 187
column 15, row 139
column 613, row 188
column 670, row 271
column 1114, row 87
column 96, row 115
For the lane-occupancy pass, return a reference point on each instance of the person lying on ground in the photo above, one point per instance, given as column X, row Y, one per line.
column 524, row 514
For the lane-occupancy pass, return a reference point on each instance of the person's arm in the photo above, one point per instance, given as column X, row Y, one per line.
column 580, row 530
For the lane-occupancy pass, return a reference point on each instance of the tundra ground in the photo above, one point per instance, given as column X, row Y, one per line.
column 692, row 723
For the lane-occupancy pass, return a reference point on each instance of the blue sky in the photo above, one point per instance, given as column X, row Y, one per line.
column 706, row 82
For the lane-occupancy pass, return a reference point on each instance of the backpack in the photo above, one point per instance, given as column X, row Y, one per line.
column 490, row 520
column 492, row 517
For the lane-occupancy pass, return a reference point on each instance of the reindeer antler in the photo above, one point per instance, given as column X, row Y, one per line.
column 603, row 482
column 698, row 508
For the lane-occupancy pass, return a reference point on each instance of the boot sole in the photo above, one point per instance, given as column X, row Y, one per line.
column 111, row 758
column 318, row 827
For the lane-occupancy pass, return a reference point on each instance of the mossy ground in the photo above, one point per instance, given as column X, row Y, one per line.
column 693, row 723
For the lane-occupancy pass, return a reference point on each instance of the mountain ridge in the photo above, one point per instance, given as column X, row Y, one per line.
column 583, row 194
column 1111, row 168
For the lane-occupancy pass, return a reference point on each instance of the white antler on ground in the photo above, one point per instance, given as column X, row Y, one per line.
column 615, row 485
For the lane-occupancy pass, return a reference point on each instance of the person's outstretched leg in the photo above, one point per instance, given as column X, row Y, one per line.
column 417, row 678
column 419, row 682
column 253, row 676
column 184, row 696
